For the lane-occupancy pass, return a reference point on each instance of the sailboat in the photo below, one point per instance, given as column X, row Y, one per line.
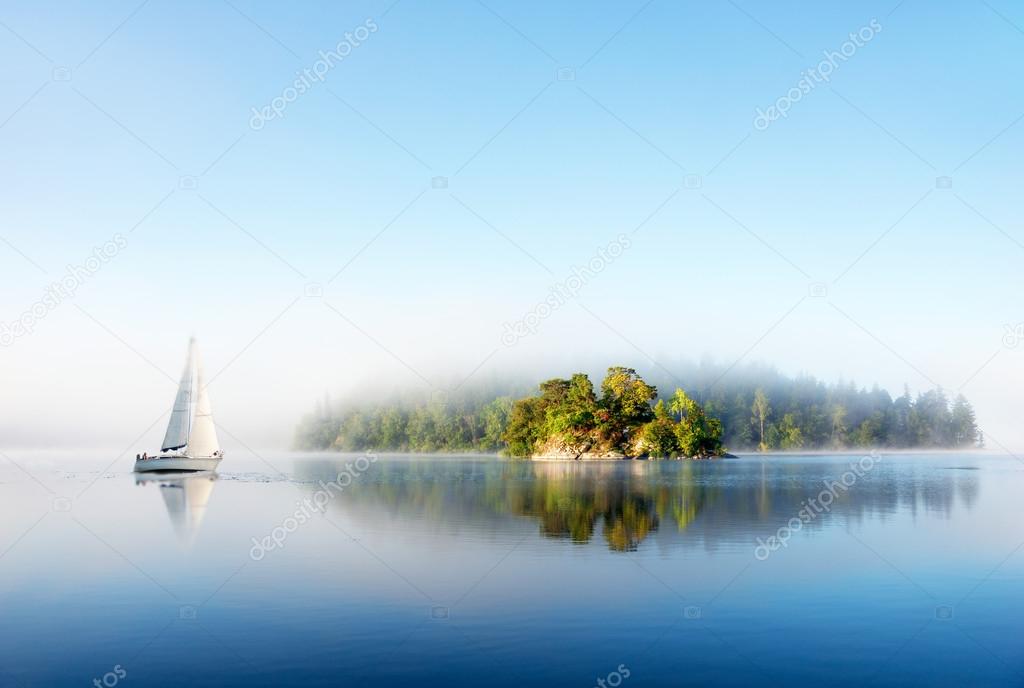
column 190, row 443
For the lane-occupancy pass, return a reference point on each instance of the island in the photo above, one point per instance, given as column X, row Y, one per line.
column 747, row 407
column 567, row 420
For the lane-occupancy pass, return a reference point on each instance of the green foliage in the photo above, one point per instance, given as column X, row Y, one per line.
column 699, row 435
column 838, row 425
column 621, row 420
column 681, row 404
column 436, row 425
column 565, row 409
column 627, row 396
column 576, row 418
column 625, row 404
column 965, row 429
column 761, row 411
column 746, row 409
column 814, row 416
column 495, row 418
column 790, row 435
column 659, row 436
column 526, row 423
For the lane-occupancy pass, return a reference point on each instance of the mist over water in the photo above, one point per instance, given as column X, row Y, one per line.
column 120, row 402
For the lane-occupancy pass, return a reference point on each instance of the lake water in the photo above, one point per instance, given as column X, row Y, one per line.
column 480, row 571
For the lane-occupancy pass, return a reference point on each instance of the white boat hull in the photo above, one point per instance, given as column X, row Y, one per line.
column 175, row 463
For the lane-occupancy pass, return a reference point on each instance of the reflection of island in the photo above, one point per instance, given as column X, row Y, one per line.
column 710, row 504
column 185, row 496
column 569, row 500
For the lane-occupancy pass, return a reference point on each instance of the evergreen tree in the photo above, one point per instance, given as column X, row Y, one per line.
column 965, row 429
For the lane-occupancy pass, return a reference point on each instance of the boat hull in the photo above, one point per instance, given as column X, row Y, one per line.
column 175, row 463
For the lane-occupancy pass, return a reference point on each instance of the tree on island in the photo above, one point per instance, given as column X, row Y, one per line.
column 699, row 434
column 625, row 404
column 680, row 403
column 570, row 410
column 758, row 409
column 568, row 416
column 659, row 436
column 761, row 410
column 525, row 424
column 838, row 425
column 965, row 429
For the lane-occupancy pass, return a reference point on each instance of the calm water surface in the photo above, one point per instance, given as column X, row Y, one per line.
column 459, row 571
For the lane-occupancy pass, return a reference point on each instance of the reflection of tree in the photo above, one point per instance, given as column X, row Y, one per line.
column 967, row 487
column 572, row 517
column 636, row 501
column 569, row 506
column 628, row 521
column 566, row 499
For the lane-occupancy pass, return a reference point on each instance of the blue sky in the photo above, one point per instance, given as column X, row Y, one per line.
column 111, row 112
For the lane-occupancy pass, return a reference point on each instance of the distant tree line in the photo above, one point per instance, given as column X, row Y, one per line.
column 844, row 417
column 438, row 423
column 755, row 408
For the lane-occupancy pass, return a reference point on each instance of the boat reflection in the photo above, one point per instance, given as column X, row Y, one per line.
column 185, row 496
column 710, row 504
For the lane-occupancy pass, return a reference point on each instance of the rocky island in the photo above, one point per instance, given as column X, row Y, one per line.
column 567, row 421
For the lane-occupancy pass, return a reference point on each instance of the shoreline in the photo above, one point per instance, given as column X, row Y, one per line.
column 552, row 457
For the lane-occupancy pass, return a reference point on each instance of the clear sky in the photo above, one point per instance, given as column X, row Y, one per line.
column 458, row 158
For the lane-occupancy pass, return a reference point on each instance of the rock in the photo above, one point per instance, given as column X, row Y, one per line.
column 557, row 450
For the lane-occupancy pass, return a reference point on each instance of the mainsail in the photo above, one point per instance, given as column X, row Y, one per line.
column 191, row 426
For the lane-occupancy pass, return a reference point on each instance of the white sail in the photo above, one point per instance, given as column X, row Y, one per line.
column 191, row 429
column 202, row 441
column 180, row 425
